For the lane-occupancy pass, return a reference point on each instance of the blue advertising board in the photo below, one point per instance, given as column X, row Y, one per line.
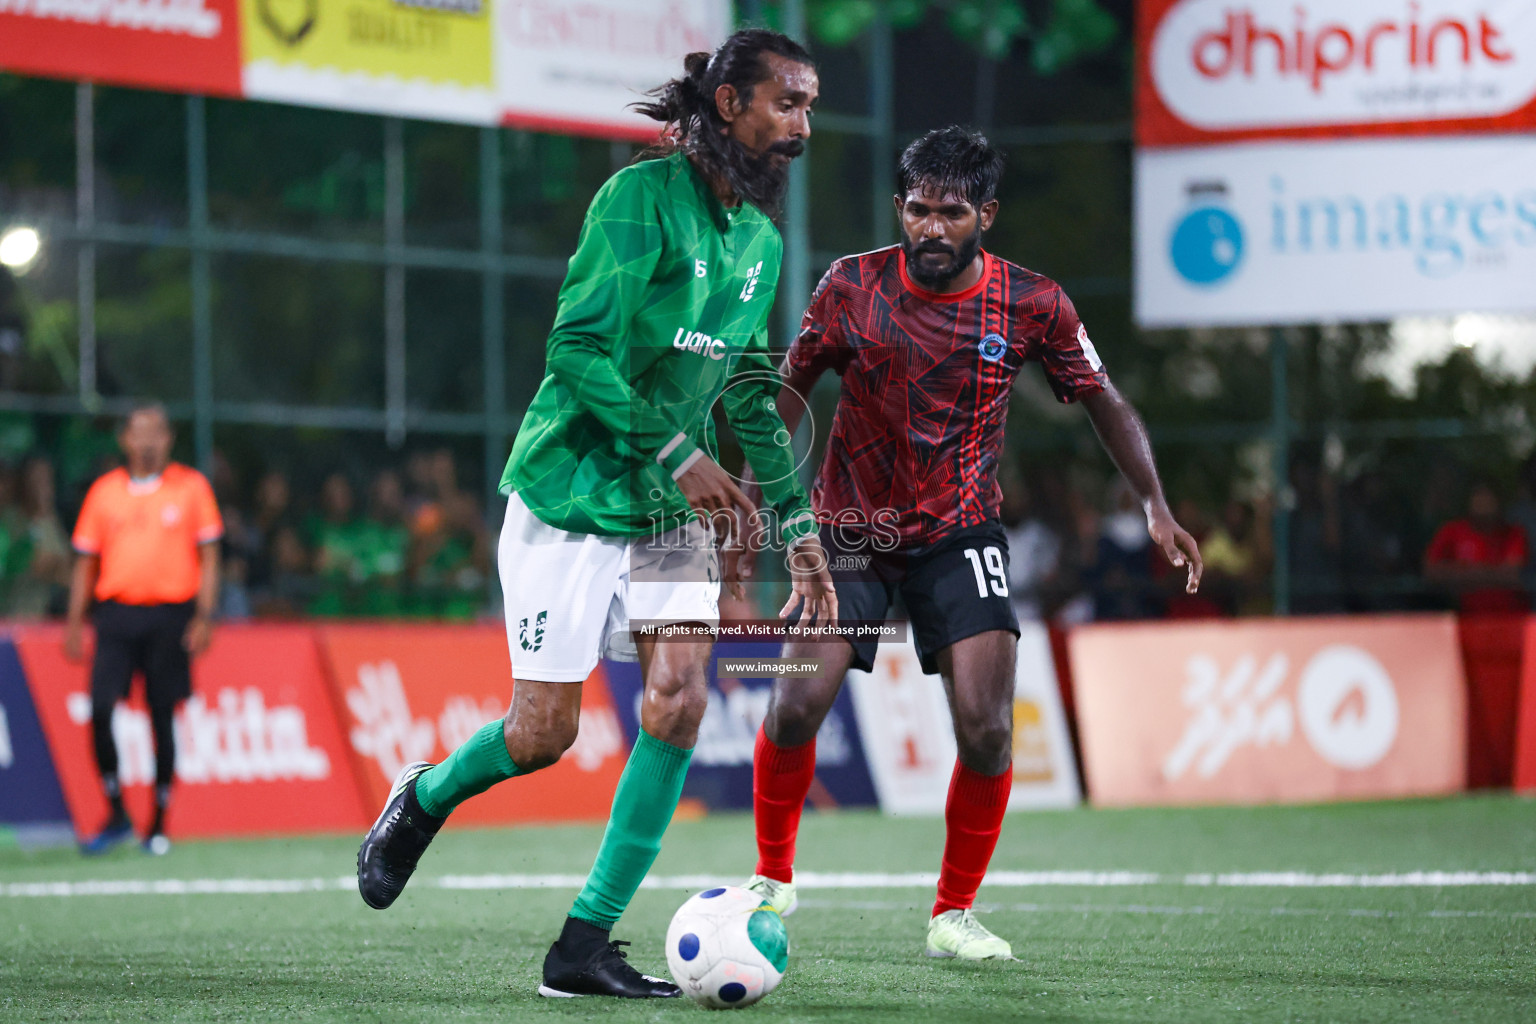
column 721, row 773
column 30, row 795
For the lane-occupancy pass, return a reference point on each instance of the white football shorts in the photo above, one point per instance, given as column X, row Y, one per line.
column 570, row 597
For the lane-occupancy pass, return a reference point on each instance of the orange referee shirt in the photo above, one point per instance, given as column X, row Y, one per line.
column 147, row 535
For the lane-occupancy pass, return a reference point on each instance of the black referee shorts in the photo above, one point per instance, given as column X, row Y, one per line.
column 953, row 588
column 141, row 638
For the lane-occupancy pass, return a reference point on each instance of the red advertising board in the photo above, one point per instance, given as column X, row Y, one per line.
column 185, row 46
column 416, row 692
column 1525, row 721
column 1225, row 70
column 1271, row 710
column 259, row 748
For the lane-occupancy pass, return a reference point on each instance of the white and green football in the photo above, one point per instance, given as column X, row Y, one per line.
column 727, row 947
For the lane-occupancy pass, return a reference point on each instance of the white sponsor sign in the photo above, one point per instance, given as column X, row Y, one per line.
column 1345, row 701
column 387, row 731
column 7, row 752
column 180, row 17
column 228, row 735
column 1221, row 65
column 567, row 66
column 909, row 735
column 1350, row 230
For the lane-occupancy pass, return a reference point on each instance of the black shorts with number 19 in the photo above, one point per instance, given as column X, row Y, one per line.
column 953, row 588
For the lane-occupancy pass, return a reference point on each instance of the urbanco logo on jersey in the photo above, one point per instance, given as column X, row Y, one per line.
column 1224, row 65
column 699, row 343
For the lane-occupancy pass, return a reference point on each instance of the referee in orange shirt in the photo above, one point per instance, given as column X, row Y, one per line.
column 147, row 541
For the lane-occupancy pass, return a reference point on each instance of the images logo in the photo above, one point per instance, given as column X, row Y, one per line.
column 1207, row 244
column 993, row 347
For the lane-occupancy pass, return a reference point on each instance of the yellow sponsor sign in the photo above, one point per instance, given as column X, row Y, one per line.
column 442, row 42
column 1032, row 760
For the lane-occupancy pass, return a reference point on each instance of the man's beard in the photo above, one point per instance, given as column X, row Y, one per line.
column 959, row 259
column 756, row 178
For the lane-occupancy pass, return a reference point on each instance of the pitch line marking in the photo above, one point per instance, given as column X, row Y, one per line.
column 1170, row 911
column 804, row 879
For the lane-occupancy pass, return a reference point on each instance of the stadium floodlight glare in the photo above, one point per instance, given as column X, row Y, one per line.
column 1467, row 329
column 18, row 247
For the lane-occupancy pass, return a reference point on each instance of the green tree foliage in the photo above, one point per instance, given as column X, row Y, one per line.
column 1059, row 32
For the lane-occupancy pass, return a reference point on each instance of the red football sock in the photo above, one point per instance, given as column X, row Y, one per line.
column 781, row 777
column 973, row 817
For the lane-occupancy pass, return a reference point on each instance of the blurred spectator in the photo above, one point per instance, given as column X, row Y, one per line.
column 40, row 585
column 420, row 491
column 1374, row 535
column 1523, row 514
column 384, row 546
column 451, row 559
column 339, row 541
column 1203, row 604
column 1317, row 581
column 1237, row 553
column 276, row 559
column 1034, row 552
column 12, row 528
column 1480, row 558
column 1120, row 573
column 234, row 588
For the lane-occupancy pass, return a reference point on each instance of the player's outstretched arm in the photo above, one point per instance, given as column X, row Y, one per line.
column 1124, row 437
column 813, row 591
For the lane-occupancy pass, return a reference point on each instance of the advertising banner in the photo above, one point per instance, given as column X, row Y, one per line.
column 575, row 68
column 1278, row 710
column 542, row 65
column 259, row 750
column 720, row 775
column 1218, row 70
column 910, row 741
column 30, row 796
column 181, row 46
column 413, row 58
column 1299, row 232
column 1492, row 652
column 1525, row 721
column 416, row 692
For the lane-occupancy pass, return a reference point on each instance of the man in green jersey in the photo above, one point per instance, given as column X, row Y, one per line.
column 609, row 485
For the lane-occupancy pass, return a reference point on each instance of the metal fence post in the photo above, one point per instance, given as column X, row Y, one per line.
column 794, row 290
column 202, row 282
column 492, row 314
column 85, row 222
column 1280, row 466
column 394, row 283
column 882, row 115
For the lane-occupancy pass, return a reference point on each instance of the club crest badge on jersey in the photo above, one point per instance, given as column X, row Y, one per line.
column 993, row 347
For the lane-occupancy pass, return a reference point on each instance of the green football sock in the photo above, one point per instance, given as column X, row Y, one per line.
column 475, row 767
column 647, row 795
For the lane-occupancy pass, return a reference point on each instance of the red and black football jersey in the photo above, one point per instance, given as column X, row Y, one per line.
column 915, row 443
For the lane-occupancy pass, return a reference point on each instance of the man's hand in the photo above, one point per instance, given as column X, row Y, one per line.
column 731, row 552
column 74, row 642
column 709, row 490
column 745, row 562
column 1178, row 546
column 199, row 633
column 813, row 591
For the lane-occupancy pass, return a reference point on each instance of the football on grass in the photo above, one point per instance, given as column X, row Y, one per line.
column 727, row 947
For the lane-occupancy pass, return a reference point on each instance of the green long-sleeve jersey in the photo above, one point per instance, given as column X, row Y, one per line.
column 663, row 312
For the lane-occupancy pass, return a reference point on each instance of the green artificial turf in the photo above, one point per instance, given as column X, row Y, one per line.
column 1150, row 952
